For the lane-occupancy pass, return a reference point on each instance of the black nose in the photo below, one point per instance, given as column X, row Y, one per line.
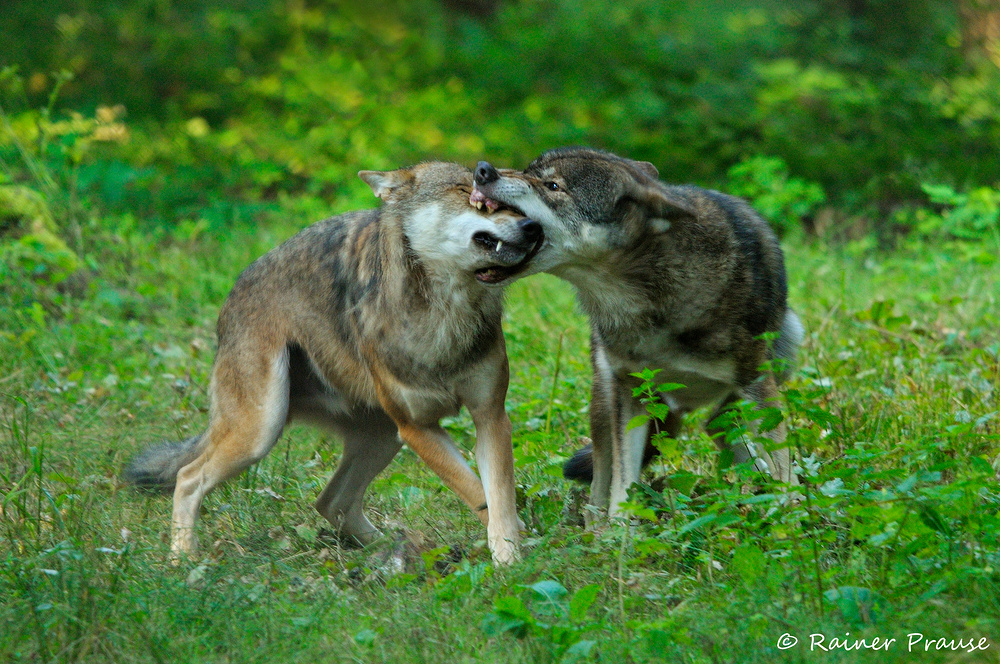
column 532, row 229
column 485, row 173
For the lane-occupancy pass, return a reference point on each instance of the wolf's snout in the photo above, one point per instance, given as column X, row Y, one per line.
column 532, row 229
column 485, row 173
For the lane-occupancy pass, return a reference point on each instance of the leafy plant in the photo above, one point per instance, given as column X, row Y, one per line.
column 783, row 200
column 550, row 617
column 971, row 215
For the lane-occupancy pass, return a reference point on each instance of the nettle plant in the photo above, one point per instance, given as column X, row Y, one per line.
column 909, row 520
column 555, row 619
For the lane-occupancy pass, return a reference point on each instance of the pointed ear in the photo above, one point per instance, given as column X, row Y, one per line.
column 386, row 184
column 647, row 168
column 662, row 207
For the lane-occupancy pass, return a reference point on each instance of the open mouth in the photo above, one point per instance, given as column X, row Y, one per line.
column 479, row 200
column 495, row 274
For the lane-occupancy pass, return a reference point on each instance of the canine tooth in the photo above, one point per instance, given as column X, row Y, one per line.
column 499, row 244
column 479, row 205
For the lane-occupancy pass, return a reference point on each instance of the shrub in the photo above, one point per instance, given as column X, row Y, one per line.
column 784, row 201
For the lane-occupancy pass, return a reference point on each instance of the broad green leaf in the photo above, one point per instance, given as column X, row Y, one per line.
column 749, row 562
column 495, row 624
column 933, row 520
column 858, row 605
column 697, row 523
column 513, row 606
column 581, row 601
column 578, row 651
column 636, row 422
column 550, row 596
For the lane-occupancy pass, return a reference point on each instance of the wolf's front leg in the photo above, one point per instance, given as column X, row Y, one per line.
column 433, row 445
column 484, row 395
column 627, row 447
column 602, row 425
column 495, row 458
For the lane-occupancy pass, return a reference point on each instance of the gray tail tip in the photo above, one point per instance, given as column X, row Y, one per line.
column 146, row 481
column 155, row 468
column 580, row 466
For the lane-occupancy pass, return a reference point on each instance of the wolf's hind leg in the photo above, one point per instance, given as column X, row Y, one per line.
column 371, row 440
column 249, row 406
column 777, row 462
column 765, row 394
column 434, row 446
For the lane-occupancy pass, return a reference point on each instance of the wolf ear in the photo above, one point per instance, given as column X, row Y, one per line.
column 386, row 184
column 647, row 168
column 662, row 207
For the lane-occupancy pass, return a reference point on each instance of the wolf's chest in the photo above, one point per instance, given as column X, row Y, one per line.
column 427, row 406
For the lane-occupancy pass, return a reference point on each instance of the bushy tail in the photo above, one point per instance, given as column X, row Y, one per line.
column 580, row 466
column 787, row 344
column 155, row 469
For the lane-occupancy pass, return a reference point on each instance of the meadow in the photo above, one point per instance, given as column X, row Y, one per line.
column 893, row 411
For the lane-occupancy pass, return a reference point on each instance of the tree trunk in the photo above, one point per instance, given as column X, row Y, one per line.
column 980, row 21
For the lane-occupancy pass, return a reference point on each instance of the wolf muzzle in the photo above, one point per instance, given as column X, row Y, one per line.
column 485, row 173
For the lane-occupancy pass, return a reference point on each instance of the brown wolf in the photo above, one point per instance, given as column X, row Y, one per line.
column 376, row 324
column 675, row 278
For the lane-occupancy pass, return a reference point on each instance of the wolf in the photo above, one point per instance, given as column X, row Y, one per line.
column 679, row 279
column 376, row 324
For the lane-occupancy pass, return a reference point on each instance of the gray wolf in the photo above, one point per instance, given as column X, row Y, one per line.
column 675, row 278
column 376, row 324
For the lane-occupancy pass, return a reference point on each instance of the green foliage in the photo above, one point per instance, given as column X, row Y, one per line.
column 974, row 215
column 554, row 619
column 158, row 58
column 29, row 243
column 233, row 106
column 41, row 256
column 933, row 513
column 784, row 201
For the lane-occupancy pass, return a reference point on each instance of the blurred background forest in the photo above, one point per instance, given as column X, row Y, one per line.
column 849, row 118
column 151, row 149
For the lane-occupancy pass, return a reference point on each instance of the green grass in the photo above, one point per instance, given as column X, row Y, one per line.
column 896, row 396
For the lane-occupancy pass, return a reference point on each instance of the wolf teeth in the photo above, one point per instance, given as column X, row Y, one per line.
column 479, row 205
column 499, row 244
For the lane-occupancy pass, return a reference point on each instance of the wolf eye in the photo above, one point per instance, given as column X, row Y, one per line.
column 552, row 186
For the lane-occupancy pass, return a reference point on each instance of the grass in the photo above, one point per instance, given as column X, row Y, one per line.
column 893, row 409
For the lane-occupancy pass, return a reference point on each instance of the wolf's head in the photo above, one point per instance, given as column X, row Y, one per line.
column 495, row 245
column 588, row 202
